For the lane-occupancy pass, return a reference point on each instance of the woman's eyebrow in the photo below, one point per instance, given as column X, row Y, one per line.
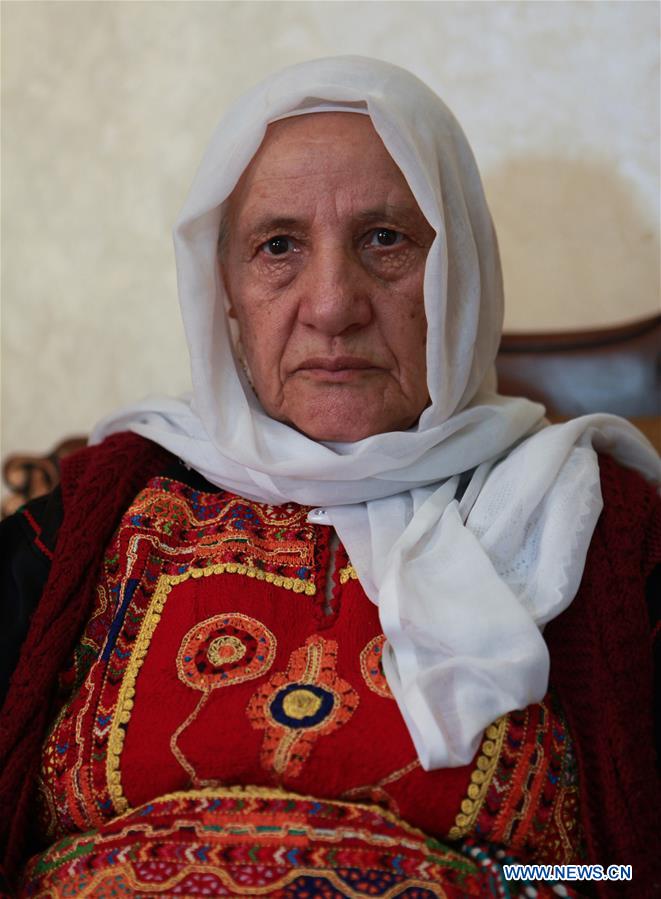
column 272, row 224
column 389, row 212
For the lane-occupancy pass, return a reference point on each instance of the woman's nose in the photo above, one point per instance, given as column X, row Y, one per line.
column 334, row 292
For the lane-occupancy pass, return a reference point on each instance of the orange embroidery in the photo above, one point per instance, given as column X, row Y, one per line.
column 298, row 706
column 371, row 667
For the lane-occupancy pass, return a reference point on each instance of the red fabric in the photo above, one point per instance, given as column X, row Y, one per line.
column 97, row 485
column 258, row 841
column 599, row 654
column 37, row 530
column 206, row 674
column 603, row 671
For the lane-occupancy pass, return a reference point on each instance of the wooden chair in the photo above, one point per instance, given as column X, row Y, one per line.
column 572, row 373
column 29, row 476
column 614, row 370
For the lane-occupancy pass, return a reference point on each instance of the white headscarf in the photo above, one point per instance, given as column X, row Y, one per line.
column 464, row 573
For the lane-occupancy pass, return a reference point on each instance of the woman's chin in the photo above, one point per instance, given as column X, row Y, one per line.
column 348, row 423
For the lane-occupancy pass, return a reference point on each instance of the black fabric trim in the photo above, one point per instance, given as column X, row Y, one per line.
column 25, row 562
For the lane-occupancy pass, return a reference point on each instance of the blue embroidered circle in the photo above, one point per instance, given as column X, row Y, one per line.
column 302, row 705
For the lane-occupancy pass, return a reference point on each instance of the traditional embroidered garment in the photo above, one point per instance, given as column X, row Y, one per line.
column 173, row 687
column 261, row 842
column 211, row 657
column 611, row 779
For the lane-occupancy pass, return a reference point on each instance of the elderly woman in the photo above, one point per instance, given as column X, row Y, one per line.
column 296, row 624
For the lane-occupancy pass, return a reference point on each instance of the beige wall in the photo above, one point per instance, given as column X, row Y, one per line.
column 108, row 106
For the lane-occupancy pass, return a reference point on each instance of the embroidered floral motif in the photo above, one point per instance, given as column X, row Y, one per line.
column 300, row 705
column 218, row 652
column 371, row 667
column 224, row 650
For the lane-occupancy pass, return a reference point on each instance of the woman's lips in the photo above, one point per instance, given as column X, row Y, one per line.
column 337, row 368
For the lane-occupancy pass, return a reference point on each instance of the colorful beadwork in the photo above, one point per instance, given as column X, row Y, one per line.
column 300, row 705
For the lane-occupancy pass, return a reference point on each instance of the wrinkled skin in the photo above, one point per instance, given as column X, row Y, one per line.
column 324, row 264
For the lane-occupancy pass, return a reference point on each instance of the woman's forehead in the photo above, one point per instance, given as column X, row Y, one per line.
column 306, row 143
column 347, row 125
column 310, row 156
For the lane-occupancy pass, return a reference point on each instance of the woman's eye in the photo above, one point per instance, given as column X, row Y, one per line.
column 277, row 245
column 385, row 237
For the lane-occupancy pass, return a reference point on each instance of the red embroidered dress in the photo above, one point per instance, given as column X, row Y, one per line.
column 217, row 658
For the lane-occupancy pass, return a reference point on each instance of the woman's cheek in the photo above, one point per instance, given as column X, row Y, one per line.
column 399, row 264
column 270, row 274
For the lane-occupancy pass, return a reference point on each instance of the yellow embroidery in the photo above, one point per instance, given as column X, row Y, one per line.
column 239, row 889
column 218, row 791
column 126, row 696
column 301, row 704
column 223, row 650
column 371, row 667
column 124, row 708
column 252, row 790
column 348, row 573
column 164, row 506
column 480, row 779
column 289, row 583
column 376, row 792
column 178, row 753
column 78, row 774
column 99, row 608
column 325, row 833
column 401, row 772
column 217, row 533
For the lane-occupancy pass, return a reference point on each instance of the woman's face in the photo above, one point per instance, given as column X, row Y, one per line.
column 324, row 263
